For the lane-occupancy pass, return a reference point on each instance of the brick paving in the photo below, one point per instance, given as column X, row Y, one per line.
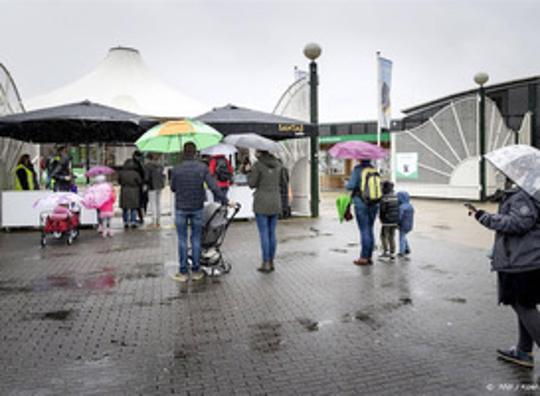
column 101, row 317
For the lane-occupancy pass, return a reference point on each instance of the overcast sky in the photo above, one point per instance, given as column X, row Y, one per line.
column 244, row 52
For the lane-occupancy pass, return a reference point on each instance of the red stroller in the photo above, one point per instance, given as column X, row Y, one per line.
column 62, row 222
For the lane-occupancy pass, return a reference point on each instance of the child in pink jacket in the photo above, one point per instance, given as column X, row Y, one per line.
column 106, row 210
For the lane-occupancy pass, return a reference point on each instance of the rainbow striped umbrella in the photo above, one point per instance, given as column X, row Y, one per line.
column 170, row 136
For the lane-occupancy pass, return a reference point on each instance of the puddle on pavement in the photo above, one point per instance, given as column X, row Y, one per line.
column 59, row 315
column 308, row 324
column 432, row 268
column 266, row 337
column 7, row 287
column 442, row 227
column 459, row 300
column 104, row 281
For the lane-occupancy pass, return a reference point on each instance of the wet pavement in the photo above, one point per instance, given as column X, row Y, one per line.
column 102, row 317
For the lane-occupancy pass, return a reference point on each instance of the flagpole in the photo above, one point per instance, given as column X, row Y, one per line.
column 379, row 98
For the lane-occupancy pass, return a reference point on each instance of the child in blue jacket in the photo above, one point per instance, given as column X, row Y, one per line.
column 406, row 222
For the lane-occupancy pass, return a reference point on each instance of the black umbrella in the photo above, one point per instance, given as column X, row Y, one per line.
column 232, row 119
column 83, row 122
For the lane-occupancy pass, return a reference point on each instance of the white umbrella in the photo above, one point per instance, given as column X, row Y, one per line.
column 50, row 201
column 220, row 149
column 521, row 163
column 252, row 140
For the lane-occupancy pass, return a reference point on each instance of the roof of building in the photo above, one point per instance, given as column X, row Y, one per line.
column 489, row 88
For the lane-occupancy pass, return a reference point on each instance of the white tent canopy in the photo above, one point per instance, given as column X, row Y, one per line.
column 122, row 80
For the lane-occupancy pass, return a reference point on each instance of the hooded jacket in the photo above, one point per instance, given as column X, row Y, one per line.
column 265, row 178
column 406, row 212
column 517, row 238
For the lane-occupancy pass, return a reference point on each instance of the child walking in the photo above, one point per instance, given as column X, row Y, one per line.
column 389, row 217
column 106, row 209
column 406, row 221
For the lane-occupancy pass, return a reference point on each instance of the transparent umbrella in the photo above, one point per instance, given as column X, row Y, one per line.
column 521, row 163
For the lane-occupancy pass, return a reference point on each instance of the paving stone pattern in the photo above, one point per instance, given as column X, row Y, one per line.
column 101, row 317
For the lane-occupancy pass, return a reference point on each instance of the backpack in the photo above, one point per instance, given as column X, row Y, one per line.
column 370, row 186
column 407, row 218
column 223, row 174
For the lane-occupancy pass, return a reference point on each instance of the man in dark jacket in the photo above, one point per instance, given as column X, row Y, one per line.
column 61, row 174
column 187, row 182
column 389, row 217
column 516, row 258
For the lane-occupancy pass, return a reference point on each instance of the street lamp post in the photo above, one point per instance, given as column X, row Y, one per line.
column 480, row 79
column 312, row 51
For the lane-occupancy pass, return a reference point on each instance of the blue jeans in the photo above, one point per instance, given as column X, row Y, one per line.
column 403, row 243
column 129, row 216
column 194, row 218
column 267, row 233
column 365, row 218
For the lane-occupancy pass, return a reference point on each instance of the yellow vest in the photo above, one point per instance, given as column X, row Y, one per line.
column 29, row 177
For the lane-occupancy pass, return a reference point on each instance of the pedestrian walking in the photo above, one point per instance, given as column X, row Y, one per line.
column 516, row 259
column 406, row 222
column 389, row 217
column 187, row 182
column 25, row 178
column 265, row 178
column 365, row 184
column 130, row 193
column 106, row 209
column 155, row 181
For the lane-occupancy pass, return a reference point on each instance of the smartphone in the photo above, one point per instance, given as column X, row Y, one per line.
column 471, row 207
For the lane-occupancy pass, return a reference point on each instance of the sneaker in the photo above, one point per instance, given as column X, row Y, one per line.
column 383, row 255
column 271, row 266
column 134, row 225
column 198, row 275
column 264, row 267
column 516, row 356
column 126, row 226
column 179, row 277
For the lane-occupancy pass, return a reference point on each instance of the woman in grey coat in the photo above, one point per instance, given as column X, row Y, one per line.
column 516, row 258
column 130, row 194
column 265, row 178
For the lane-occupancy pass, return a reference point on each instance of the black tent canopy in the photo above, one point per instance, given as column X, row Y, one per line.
column 232, row 119
column 83, row 122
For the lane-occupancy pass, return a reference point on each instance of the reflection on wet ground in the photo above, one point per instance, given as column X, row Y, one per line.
column 63, row 314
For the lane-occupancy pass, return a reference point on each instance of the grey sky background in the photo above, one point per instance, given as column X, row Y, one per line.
column 244, row 52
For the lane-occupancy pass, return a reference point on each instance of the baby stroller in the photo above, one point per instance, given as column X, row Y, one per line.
column 216, row 220
column 61, row 222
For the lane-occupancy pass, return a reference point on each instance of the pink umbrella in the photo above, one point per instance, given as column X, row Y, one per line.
column 99, row 170
column 355, row 149
column 96, row 195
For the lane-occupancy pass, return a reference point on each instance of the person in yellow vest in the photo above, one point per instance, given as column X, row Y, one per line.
column 25, row 176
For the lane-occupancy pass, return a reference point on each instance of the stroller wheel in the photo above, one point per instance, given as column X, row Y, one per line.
column 69, row 239
column 43, row 241
column 226, row 267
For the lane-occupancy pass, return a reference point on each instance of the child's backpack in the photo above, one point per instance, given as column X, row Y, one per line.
column 223, row 173
column 406, row 221
column 370, row 186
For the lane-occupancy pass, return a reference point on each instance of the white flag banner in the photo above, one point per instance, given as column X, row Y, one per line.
column 299, row 74
column 384, row 86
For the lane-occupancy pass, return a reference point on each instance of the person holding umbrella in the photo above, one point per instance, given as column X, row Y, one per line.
column 516, row 251
column 365, row 184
